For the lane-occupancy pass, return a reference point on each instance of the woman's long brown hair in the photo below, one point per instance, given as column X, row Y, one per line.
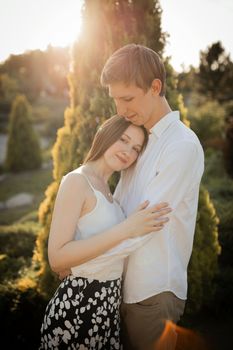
column 109, row 132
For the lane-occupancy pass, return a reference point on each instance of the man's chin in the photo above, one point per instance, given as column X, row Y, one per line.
column 136, row 122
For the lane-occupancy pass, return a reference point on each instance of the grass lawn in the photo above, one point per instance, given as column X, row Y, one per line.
column 34, row 182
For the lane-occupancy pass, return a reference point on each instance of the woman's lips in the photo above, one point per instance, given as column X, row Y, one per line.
column 123, row 160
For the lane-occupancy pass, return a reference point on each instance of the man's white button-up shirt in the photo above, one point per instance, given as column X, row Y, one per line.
column 170, row 170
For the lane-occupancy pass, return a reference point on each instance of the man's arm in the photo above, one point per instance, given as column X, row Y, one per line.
column 180, row 169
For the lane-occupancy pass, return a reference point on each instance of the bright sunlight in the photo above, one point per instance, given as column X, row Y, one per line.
column 38, row 24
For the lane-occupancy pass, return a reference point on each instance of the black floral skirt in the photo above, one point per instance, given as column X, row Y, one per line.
column 83, row 314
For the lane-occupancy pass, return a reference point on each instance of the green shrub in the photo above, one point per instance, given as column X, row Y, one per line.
column 223, row 302
column 208, row 121
column 23, row 150
column 22, row 311
column 16, row 249
column 203, row 266
column 220, row 187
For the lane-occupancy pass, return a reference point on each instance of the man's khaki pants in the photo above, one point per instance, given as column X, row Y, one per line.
column 150, row 324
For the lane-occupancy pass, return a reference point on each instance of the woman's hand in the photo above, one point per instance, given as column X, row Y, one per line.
column 63, row 273
column 145, row 220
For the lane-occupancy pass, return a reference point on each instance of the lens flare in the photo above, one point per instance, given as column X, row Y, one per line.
column 181, row 338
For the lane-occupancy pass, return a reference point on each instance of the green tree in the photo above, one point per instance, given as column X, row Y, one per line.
column 35, row 72
column 8, row 88
column 216, row 73
column 8, row 91
column 23, row 150
column 107, row 26
column 208, row 122
column 203, row 265
column 220, row 187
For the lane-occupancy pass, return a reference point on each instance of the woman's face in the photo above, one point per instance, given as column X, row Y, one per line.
column 124, row 152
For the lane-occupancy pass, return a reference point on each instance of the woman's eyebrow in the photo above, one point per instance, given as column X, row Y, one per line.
column 130, row 139
column 127, row 136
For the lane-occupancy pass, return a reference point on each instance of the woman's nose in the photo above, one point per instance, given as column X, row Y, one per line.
column 126, row 151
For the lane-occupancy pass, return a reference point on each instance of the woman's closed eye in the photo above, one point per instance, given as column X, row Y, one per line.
column 124, row 139
column 138, row 150
column 128, row 99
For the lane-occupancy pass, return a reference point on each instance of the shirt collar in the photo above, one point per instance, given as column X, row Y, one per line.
column 164, row 123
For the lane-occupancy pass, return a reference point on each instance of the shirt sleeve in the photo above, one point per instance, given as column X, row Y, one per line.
column 119, row 252
column 179, row 171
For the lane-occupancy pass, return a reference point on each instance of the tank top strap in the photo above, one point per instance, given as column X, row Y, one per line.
column 89, row 182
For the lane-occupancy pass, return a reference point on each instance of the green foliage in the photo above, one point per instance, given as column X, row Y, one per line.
column 208, row 94
column 16, row 249
column 203, row 265
column 223, row 302
column 47, row 280
column 188, row 83
column 8, row 91
column 174, row 98
column 207, row 121
column 33, row 182
column 220, row 187
column 23, row 150
column 216, row 73
column 21, row 310
column 48, row 112
column 36, row 73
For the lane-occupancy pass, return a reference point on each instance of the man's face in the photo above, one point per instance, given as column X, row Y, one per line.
column 133, row 103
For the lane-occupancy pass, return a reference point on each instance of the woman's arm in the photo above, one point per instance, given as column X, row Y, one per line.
column 65, row 252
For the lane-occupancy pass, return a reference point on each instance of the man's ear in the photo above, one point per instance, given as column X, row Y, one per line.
column 156, row 87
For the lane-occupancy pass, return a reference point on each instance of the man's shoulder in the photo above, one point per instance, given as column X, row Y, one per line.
column 182, row 141
column 184, row 134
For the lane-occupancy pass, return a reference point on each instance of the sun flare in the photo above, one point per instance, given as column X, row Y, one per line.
column 38, row 24
column 66, row 22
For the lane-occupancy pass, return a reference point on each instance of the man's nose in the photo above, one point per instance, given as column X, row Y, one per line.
column 121, row 110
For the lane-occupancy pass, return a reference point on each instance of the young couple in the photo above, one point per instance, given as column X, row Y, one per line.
column 136, row 244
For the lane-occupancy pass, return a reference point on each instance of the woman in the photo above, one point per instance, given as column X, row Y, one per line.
column 90, row 235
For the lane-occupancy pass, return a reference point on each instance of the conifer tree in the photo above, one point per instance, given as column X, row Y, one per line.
column 107, row 26
column 23, row 150
column 203, row 265
column 216, row 73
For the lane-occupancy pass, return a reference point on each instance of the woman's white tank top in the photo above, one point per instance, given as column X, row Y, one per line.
column 108, row 266
column 104, row 215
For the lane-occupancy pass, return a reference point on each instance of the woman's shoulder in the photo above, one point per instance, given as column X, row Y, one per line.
column 74, row 179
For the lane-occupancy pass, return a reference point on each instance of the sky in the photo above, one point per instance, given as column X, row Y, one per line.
column 192, row 26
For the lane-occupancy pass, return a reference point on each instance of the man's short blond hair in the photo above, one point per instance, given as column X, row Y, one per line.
column 134, row 64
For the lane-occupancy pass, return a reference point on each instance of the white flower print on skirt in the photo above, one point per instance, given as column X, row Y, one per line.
column 83, row 314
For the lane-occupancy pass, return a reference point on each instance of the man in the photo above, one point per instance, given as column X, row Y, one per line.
column 170, row 169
